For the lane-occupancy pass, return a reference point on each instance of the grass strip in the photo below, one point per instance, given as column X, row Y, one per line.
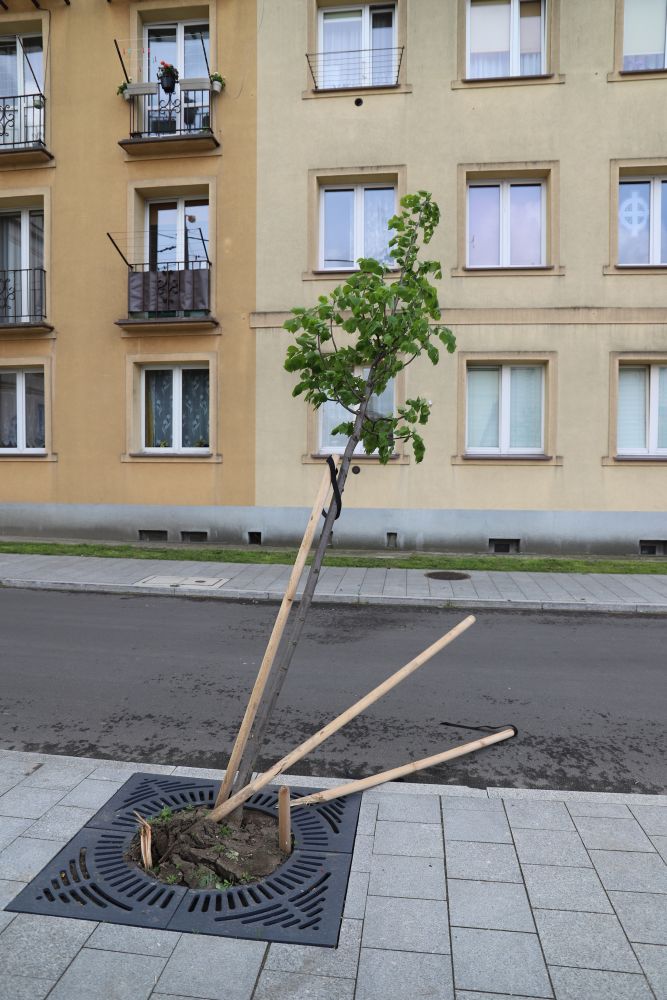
column 421, row 560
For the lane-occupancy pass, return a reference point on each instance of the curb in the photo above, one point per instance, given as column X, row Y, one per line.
column 260, row 596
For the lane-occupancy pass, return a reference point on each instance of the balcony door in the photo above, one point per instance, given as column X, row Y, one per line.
column 21, row 76
column 185, row 45
column 22, row 279
column 357, row 47
column 177, row 232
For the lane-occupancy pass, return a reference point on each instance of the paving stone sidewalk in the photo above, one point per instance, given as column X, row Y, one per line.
column 455, row 894
column 601, row 592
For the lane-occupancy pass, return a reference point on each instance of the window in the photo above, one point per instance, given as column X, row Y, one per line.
column 21, row 76
column 506, row 38
column 357, row 48
column 642, row 410
column 505, row 409
column 177, row 234
column 175, row 408
column 22, row 275
column 506, row 223
column 354, row 223
column 185, row 45
column 22, row 411
column 331, row 414
column 642, row 221
column 644, row 34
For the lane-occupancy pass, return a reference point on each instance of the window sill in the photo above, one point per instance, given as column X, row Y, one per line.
column 628, row 75
column 316, row 458
column 28, row 456
column 650, row 460
column 507, row 460
column 399, row 88
column 508, row 81
column 341, row 275
column 209, row 458
column 634, row 269
column 551, row 270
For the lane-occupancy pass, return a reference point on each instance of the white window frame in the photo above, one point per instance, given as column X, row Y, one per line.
column 664, row 51
column 515, row 42
column 21, row 448
column 358, row 222
column 504, row 370
column 505, row 184
column 652, row 376
column 180, row 223
column 339, row 449
column 21, row 75
column 655, row 214
column 176, row 407
column 180, row 40
column 366, row 9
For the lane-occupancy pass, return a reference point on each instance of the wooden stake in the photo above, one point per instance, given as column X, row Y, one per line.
column 284, row 820
column 145, row 841
column 411, row 768
column 220, row 811
column 276, row 636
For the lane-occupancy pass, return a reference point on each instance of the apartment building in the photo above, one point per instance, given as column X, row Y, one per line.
column 153, row 241
column 538, row 125
column 127, row 264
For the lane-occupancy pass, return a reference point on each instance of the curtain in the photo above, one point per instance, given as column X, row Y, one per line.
column 195, row 408
column 10, row 267
column 483, row 408
column 634, row 218
column 159, row 397
column 530, row 34
column 632, row 408
column 525, row 225
column 341, row 56
column 8, row 410
column 379, row 206
column 526, row 408
column 662, row 408
column 644, row 34
column 489, row 38
column 332, row 414
column 383, row 56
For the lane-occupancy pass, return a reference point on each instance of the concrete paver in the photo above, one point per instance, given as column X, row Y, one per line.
column 476, row 924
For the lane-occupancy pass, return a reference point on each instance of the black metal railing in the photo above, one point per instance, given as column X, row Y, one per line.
column 174, row 289
column 22, row 121
column 23, row 295
column 356, row 68
column 185, row 112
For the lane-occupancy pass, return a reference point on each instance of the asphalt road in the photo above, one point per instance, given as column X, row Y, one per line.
column 165, row 680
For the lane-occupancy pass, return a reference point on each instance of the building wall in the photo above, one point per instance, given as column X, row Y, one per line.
column 89, row 189
column 579, row 313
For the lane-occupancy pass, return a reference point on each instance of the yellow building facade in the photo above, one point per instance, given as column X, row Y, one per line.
column 152, row 243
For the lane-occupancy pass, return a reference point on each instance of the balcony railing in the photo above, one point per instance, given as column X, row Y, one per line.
column 22, row 121
column 356, row 68
column 177, row 289
column 183, row 113
column 23, row 296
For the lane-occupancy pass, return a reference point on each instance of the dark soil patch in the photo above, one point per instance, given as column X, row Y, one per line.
column 191, row 851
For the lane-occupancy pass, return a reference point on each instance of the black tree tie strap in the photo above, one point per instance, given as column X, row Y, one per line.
column 334, row 485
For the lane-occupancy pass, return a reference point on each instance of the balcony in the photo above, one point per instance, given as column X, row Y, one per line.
column 23, row 300
column 177, row 123
column 22, row 130
column 176, row 296
column 356, row 69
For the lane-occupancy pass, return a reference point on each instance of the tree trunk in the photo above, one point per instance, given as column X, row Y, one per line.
column 276, row 681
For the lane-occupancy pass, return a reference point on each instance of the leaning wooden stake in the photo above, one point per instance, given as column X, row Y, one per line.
column 220, row 811
column 145, row 841
column 284, row 821
column 398, row 772
column 274, row 640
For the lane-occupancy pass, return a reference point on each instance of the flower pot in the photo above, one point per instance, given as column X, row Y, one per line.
column 216, row 86
column 168, row 82
column 127, row 94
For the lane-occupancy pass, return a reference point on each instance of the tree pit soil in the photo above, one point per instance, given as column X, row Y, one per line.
column 189, row 850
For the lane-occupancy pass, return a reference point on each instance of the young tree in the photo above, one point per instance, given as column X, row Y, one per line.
column 347, row 349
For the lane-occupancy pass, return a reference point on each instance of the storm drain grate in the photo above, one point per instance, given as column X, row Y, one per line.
column 300, row 903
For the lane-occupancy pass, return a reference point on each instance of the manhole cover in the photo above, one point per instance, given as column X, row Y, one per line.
column 447, row 574
column 301, row 902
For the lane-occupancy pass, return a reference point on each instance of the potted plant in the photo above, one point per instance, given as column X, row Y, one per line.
column 217, row 82
column 167, row 76
column 122, row 90
column 38, row 101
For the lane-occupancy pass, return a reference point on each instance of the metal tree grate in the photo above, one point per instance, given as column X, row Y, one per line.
column 301, row 902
